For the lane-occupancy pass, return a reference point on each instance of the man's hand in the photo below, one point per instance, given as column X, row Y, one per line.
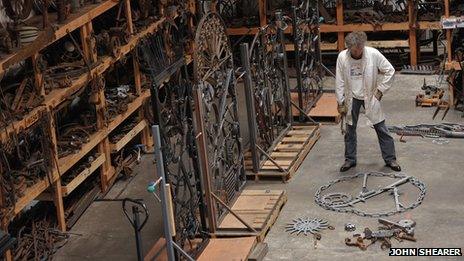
column 378, row 95
column 342, row 109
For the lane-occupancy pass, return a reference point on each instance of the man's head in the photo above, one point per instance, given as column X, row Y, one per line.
column 355, row 42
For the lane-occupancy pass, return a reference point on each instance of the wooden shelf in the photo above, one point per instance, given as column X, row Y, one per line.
column 116, row 121
column 66, row 190
column 57, row 96
column 384, row 44
column 333, row 28
column 115, row 147
column 66, row 163
column 30, row 194
column 46, row 37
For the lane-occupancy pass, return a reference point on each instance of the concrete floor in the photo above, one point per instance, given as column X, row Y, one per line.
column 106, row 235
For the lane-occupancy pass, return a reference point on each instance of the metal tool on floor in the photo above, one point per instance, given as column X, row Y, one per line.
column 350, row 227
column 307, row 225
column 138, row 208
column 401, row 230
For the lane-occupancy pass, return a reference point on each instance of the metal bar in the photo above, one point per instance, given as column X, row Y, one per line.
column 280, row 31
column 233, row 213
column 182, row 251
column 328, row 70
column 271, row 159
column 203, row 157
column 160, row 173
column 301, row 110
column 252, row 125
column 297, row 63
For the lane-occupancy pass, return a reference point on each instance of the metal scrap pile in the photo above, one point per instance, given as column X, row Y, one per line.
column 429, row 10
column 375, row 12
column 25, row 159
column 78, row 168
column 401, row 230
column 38, row 237
column 63, row 62
column 17, row 98
column 119, row 89
column 238, row 13
column 443, row 130
column 76, row 123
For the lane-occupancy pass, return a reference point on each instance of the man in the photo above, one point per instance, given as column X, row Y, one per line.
column 363, row 76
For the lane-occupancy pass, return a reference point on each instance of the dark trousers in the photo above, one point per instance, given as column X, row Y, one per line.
column 387, row 145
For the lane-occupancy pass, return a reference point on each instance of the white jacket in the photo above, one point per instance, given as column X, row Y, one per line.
column 373, row 63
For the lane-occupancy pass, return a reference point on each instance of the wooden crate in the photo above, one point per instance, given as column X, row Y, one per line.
column 259, row 208
column 289, row 153
column 325, row 110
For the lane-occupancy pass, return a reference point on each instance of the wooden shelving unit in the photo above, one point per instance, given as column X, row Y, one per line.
column 341, row 29
column 99, row 141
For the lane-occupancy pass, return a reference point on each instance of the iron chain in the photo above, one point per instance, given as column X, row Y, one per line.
column 414, row 181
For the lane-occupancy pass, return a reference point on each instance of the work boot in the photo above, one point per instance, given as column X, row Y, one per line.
column 347, row 165
column 394, row 165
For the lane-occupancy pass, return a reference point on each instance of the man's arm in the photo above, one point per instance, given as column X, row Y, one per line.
column 385, row 68
column 339, row 82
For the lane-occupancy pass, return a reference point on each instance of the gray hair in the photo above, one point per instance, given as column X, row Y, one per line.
column 355, row 39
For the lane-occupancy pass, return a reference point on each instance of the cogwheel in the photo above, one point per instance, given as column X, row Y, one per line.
column 305, row 225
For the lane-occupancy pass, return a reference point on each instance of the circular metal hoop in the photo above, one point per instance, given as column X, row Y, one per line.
column 340, row 202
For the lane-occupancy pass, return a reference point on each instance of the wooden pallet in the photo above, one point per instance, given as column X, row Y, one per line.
column 239, row 248
column 325, row 110
column 228, row 249
column 259, row 208
column 289, row 153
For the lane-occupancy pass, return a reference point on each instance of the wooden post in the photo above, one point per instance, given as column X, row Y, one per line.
column 106, row 170
column 340, row 22
column 130, row 25
column 58, row 201
column 262, row 12
column 38, row 76
column 145, row 135
column 57, row 195
column 412, row 32
column 450, row 52
column 203, row 155
column 448, row 33
column 87, row 48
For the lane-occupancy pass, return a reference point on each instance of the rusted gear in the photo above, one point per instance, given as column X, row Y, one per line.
column 306, row 225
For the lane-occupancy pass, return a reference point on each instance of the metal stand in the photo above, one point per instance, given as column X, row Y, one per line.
column 170, row 244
